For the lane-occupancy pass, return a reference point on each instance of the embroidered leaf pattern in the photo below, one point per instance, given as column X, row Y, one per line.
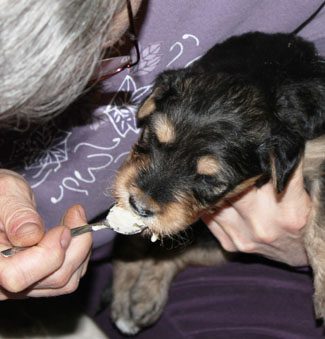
column 44, row 148
column 121, row 110
column 150, row 58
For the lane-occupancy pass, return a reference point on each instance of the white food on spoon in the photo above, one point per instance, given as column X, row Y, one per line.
column 154, row 237
column 124, row 221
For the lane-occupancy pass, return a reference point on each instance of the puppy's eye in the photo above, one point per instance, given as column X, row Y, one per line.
column 207, row 179
column 215, row 183
column 144, row 136
column 142, row 146
column 208, row 188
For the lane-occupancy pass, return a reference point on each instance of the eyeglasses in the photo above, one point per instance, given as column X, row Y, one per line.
column 111, row 66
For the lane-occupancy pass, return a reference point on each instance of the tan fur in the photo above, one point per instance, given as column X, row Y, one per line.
column 173, row 218
column 273, row 170
column 164, row 129
column 147, row 108
column 199, row 256
column 126, row 177
column 314, row 232
column 242, row 187
column 313, row 157
column 140, row 286
column 314, row 237
column 208, row 165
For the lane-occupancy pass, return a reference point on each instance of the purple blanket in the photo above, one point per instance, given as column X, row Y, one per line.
column 246, row 299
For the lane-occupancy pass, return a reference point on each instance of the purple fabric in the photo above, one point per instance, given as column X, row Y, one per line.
column 249, row 299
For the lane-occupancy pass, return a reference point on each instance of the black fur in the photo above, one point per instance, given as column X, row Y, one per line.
column 250, row 99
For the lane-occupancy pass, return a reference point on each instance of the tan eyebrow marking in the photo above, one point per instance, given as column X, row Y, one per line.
column 147, row 108
column 207, row 165
column 164, row 129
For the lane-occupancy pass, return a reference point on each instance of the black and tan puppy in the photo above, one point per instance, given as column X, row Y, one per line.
column 249, row 111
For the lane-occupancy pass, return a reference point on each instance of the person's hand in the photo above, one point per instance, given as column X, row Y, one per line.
column 264, row 222
column 55, row 263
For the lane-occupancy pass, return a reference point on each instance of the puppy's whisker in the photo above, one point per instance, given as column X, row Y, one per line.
column 174, row 241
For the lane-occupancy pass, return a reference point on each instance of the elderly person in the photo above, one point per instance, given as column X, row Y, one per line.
column 50, row 51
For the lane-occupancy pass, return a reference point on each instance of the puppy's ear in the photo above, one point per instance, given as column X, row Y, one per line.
column 149, row 105
column 166, row 84
column 279, row 158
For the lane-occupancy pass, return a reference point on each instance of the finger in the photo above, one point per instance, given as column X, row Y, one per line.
column 224, row 239
column 18, row 216
column 255, row 220
column 70, row 286
column 270, row 217
column 75, row 261
column 85, row 266
column 81, row 245
column 75, row 216
column 4, row 242
column 77, row 254
column 245, row 203
column 28, row 267
column 234, row 235
column 5, row 295
column 296, row 183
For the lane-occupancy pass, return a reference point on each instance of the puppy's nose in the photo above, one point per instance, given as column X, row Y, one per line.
column 140, row 207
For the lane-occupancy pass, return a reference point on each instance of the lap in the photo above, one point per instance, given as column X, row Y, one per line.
column 248, row 298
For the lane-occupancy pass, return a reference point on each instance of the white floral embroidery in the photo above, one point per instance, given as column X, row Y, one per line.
column 122, row 108
column 150, row 58
column 54, row 150
column 46, row 153
column 95, row 158
column 179, row 47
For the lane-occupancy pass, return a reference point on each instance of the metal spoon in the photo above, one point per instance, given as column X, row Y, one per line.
column 77, row 231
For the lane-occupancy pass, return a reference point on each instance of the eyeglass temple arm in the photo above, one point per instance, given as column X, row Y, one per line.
column 132, row 32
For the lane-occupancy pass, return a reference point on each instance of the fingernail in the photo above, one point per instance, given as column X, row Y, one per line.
column 65, row 238
column 27, row 229
column 81, row 213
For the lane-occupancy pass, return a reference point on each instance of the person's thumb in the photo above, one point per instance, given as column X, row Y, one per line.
column 18, row 217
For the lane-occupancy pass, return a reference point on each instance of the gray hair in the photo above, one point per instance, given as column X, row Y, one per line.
column 49, row 50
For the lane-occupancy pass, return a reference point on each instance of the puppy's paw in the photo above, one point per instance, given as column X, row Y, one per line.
column 121, row 313
column 127, row 326
column 148, row 300
column 319, row 294
column 142, row 309
column 319, row 306
column 140, row 302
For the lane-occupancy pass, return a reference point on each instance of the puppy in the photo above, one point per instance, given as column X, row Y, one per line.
column 249, row 111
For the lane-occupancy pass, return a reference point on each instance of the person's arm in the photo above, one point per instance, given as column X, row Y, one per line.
column 55, row 262
column 264, row 222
